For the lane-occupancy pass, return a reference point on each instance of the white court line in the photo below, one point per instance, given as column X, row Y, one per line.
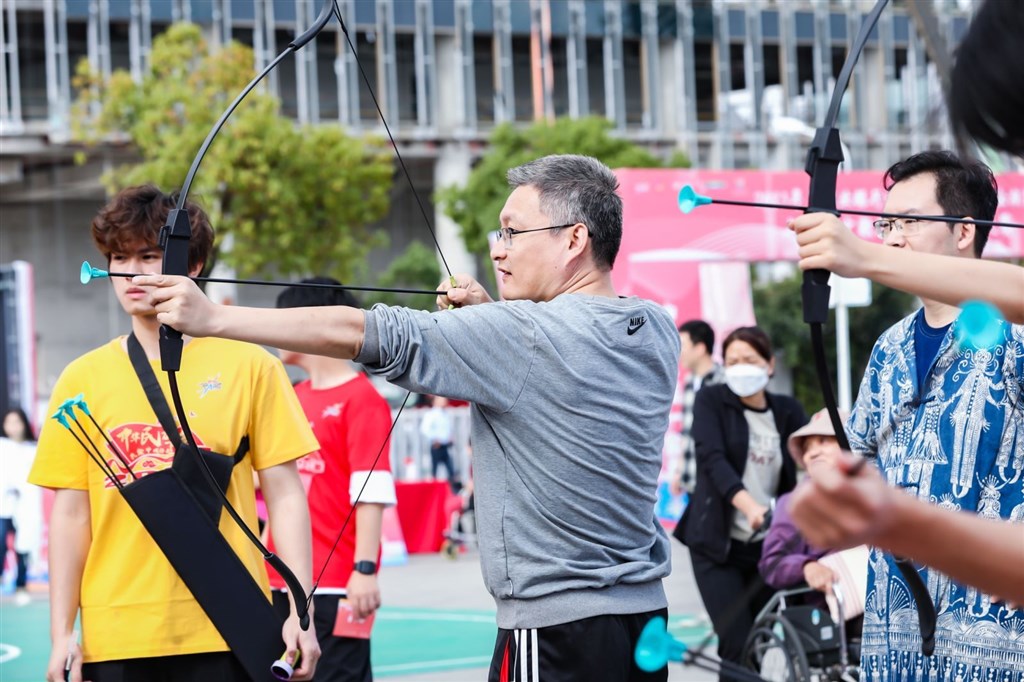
column 8, row 652
column 427, row 665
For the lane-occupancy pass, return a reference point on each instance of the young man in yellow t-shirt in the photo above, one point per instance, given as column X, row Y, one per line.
column 139, row 621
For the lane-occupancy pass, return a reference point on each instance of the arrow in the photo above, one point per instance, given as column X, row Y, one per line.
column 79, row 401
column 689, row 200
column 90, row 273
column 655, row 648
column 979, row 325
column 60, row 417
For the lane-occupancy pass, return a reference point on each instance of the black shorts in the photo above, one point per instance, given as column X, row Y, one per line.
column 597, row 648
column 217, row 665
column 342, row 659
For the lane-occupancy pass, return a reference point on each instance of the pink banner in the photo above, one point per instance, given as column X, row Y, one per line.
column 665, row 254
column 654, row 224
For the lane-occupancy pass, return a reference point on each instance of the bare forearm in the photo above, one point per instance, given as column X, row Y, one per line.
column 290, row 528
column 948, row 279
column 335, row 331
column 368, row 523
column 985, row 553
column 70, row 539
column 288, row 516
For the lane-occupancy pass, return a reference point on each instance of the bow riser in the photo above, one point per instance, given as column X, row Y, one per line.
column 174, row 240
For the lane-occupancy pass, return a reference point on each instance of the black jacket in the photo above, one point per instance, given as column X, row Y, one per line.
column 721, row 439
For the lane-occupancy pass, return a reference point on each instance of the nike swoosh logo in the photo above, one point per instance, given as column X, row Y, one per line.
column 635, row 324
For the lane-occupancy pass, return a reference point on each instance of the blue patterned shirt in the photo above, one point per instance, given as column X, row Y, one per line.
column 958, row 442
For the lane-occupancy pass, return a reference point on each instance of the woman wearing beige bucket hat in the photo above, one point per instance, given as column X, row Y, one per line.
column 788, row 559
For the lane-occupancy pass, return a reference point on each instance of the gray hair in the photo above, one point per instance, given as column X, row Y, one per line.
column 577, row 189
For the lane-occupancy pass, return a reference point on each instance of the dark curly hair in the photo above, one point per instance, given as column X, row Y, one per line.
column 134, row 217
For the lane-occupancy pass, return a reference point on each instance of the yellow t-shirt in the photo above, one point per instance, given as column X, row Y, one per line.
column 133, row 604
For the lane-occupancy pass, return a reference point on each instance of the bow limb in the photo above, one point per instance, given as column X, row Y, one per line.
column 823, row 159
column 174, row 240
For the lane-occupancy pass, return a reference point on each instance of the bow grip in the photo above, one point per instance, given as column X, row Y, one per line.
column 823, row 159
column 174, row 240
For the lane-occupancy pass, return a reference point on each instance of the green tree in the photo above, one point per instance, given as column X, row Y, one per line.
column 475, row 206
column 779, row 312
column 415, row 268
column 298, row 199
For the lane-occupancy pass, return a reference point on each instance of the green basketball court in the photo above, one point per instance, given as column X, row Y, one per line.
column 406, row 641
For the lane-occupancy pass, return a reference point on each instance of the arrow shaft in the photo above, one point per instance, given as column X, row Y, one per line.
column 301, row 285
column 874, row 214
column 100, row 462
column 113, row 446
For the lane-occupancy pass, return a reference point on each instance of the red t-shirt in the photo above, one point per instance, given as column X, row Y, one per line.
column 351, row 422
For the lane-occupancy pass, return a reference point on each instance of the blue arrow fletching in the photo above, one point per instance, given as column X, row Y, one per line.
column 980, row 325
column 80, row 401
column 60, row 418
column 90, row 273
column 689, row 199
column 655, row 647
column 68, row 408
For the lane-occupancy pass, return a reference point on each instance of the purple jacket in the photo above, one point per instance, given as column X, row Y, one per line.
column 785, row 551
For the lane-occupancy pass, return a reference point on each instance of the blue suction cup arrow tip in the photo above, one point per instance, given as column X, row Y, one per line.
column 90, row 273
column 61, row 418
column 655, row 647
column 689, row 199
column 79, row 402
column 979, row 325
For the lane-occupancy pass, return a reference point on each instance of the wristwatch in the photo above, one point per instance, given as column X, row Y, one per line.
column 365, row 567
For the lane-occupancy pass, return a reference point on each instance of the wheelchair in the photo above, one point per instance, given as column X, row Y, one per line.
column 795, row 642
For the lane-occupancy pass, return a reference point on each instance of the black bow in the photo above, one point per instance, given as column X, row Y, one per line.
column 174, row 240
column 823, row 159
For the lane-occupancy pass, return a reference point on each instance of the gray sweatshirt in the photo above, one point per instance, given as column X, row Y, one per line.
column 570, row 403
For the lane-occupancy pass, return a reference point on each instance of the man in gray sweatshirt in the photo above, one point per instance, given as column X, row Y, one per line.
column 570, row 387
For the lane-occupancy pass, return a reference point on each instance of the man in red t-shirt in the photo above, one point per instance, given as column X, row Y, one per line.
column 351, row 421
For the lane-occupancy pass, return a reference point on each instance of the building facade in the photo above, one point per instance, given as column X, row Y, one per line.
column 732, row 84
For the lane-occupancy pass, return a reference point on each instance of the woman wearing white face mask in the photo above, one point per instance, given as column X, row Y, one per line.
column 740, row 433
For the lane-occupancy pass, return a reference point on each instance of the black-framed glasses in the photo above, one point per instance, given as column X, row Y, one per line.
column 908, row 227
column 506, row 233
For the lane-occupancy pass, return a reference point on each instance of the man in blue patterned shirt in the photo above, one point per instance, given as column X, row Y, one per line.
column 946, row 423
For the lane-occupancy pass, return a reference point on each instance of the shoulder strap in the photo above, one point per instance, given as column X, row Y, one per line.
column 243, row 449
column 151, row 386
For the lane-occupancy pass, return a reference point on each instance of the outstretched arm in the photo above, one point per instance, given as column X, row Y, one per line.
column 825, row 242
column 335, row 331
column 839, row 509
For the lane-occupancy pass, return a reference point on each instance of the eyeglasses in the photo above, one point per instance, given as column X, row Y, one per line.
column 506, row 233
column 908, row 227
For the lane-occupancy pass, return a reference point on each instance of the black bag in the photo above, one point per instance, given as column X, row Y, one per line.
column 181, row 513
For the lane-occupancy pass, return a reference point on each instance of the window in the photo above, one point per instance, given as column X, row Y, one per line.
column 405, row 67
column 705, row 80
column 483, row 57
column 595, row 76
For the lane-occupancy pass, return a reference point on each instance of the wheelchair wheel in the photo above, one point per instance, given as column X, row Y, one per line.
column 774, row 652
